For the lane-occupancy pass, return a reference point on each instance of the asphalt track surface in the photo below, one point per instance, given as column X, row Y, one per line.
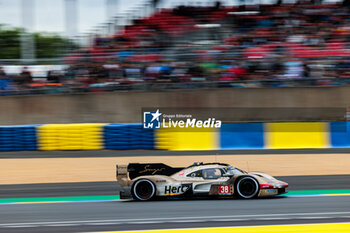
column 129, row 153
column 132, row 215
column 165, row 214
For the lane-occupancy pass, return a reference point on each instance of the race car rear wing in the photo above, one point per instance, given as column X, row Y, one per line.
column 134, row 170
column 121, row 173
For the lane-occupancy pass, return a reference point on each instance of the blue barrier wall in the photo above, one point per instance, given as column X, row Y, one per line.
column 127, row 136
column 18, row 138
column 242, row 136
column 340, row 134
column 133, row 136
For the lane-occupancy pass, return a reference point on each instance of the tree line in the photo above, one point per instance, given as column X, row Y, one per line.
column 46, row 45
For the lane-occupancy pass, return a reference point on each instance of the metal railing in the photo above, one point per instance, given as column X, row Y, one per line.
column 71, row 89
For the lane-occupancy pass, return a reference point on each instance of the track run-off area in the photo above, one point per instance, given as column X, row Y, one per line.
column 314, row 203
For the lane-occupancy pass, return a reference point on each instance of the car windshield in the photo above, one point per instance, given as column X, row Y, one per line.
column 233, row 171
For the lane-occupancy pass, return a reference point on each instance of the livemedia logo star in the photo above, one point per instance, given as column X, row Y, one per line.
column 151, row 120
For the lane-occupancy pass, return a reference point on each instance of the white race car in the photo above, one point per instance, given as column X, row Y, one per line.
column 147, row 181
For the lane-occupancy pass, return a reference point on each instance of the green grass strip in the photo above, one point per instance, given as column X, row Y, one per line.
column 117, row 197
column 318, row 192
column 60, row 199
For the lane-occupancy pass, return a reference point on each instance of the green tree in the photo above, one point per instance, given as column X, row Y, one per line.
column 51, row 46
column 10, row 43
column 46, row 45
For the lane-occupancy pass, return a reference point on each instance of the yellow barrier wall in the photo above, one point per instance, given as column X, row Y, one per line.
column 296, row 135
column 187, row 139
column 84, row 136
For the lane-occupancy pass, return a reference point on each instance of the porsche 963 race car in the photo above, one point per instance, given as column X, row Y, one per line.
column 144, row 182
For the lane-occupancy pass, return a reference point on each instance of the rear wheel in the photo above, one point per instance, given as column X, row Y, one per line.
column 247, row 187
column 143, row 190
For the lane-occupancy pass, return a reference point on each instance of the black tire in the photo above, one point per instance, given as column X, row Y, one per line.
column 247, row 187
column 143, row 190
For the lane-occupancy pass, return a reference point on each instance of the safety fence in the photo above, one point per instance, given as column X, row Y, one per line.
column 19, row 137
column 70, row 137
column 59, row 88
column 127, row 136
column 96, row 136
column 250, row 136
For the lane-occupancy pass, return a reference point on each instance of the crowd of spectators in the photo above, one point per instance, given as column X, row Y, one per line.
column 249, row 45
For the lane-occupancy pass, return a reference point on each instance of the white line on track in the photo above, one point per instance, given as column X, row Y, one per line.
column 286, row 216
column 145, row 222
column 19, row 226
column 59, row 225
column 193, row 220
column 314, row 217
column 274, row 218
column 101, row 223
column 231, row 220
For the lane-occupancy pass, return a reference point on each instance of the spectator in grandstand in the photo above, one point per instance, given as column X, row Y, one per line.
column 343, row 68
column 132, row 73
column 4, row 81
column 54, row 77
column 2, row 73
column 179, row 73
column 196, row 73
column 294, row 69
column 300, row 41
column 25, row 77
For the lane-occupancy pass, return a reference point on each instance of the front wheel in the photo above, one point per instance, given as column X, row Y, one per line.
column 247, row 187
column 143, row 190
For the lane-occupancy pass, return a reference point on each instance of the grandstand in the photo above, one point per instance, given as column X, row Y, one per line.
column 300, row 44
